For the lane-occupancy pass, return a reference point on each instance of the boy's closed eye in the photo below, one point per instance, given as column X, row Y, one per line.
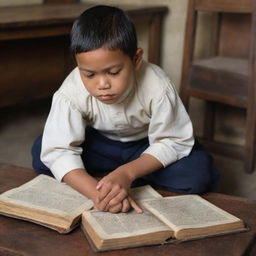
column 112, row 73
column 89, row 75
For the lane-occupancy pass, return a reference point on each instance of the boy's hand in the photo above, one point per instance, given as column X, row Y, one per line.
column 125, row 206
column 114, row 189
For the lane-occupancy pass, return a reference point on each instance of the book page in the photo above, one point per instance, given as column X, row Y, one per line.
column 124, row 224
column 144, row 192
column 188, row 211
column 46, row 193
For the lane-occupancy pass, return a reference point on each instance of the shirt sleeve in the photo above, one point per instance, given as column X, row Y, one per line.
column 170, row 129
column 63, row 134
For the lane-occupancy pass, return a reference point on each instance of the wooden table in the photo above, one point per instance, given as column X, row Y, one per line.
column 18, row 237
column 34, row 46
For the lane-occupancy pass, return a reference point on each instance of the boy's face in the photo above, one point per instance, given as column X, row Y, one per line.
column 106, row 74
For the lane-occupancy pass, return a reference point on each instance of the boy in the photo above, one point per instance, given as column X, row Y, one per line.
column 119, row 116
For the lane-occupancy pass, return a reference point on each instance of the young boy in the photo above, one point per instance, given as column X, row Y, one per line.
column 118, row 116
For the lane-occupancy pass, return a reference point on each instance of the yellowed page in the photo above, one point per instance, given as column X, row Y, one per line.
column 47, row 194
column 144, row 192
column 124, row 224
column 189, row 211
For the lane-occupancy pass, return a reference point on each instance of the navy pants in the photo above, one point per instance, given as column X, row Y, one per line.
column 192, row 174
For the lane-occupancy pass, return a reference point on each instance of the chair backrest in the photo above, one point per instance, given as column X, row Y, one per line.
column 234, row 35
column 233, row 26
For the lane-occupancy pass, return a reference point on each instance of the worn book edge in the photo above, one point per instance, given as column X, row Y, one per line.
column 170, row 240
column 59, row 229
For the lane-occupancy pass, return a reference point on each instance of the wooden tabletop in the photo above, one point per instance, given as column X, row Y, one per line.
column 18, row 237
column 43, row 14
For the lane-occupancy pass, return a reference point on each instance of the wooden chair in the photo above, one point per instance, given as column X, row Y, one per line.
column 227, row 77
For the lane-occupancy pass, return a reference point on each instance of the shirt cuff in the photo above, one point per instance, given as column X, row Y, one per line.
column 65, row 164
column 162, row 153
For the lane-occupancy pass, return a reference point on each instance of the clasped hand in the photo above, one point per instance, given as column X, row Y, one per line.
column 114, row 193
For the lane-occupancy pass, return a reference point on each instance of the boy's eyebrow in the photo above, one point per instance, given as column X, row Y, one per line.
column 108, row 68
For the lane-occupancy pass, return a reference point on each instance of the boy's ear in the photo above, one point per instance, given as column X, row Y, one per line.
column 137, row 60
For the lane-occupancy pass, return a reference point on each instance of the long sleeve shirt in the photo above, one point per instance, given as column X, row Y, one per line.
column 152, row 109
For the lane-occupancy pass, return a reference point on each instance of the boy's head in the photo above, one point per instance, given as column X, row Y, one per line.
column 104, row 26
column 103, row 40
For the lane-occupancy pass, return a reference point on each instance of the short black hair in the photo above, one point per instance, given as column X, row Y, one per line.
column 104, row 26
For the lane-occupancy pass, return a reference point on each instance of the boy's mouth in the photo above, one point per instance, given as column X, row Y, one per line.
column 106, row 97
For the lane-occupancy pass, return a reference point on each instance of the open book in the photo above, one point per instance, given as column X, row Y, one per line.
column 166, row 219
column 50, row 203
column 47, row 202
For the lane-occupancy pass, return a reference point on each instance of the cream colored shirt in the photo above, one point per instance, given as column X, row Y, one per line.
column 152, row 108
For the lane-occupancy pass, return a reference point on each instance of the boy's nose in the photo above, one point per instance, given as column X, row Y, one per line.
column 103, row 83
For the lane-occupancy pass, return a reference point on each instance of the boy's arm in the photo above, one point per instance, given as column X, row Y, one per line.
column 115, row 186
column 81, row 181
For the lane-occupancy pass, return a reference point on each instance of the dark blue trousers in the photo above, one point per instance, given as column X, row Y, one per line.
column 192, row 174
